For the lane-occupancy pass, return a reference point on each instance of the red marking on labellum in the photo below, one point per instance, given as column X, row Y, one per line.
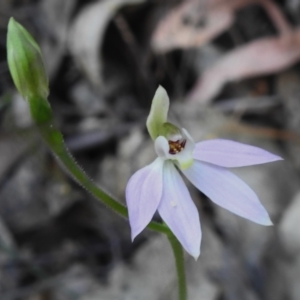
column 176, row 146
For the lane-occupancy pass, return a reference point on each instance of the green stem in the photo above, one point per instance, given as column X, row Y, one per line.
column 42, row 115
column 179, row 259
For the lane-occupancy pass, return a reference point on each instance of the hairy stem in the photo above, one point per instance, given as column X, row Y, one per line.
column 42, row 115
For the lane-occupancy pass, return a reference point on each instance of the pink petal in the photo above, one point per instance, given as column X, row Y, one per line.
column 179, row 212
column 143, row 194
column 231, row 154
column 228, row 191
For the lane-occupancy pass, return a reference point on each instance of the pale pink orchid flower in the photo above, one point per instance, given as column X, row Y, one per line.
column 159, row 186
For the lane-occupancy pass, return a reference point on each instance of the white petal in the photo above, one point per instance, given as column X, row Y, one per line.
column 143, row 194
column 179, row 212
column 228, row 191
column 231, row 154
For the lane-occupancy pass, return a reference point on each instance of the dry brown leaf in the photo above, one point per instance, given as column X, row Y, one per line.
column 86, row 36
column 261, row 57
column 192, row 23
column 196, row 22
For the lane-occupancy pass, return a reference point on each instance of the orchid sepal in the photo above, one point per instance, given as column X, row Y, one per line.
column 158, row 113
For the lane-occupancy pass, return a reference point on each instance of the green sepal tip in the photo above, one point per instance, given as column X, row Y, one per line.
column 158, row 113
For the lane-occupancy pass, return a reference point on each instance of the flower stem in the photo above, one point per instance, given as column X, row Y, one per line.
column 179, row 259
column 42, row 115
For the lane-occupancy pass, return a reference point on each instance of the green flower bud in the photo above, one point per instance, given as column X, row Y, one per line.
column 25, row 62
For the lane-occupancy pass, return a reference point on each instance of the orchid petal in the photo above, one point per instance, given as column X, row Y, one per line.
column 228, row 191
column 231, row 154
column 179, row 212
column 143, row 194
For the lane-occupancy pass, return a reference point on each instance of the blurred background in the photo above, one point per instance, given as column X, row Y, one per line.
column 231, row 68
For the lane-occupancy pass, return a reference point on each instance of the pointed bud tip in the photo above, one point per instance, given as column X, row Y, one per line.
column 14, row 28
column 11, row 22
